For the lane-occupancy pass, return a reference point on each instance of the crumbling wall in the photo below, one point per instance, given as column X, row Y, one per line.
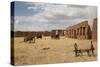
column 79, row 31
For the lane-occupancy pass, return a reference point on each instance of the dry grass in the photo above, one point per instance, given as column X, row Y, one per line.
column 60, row 51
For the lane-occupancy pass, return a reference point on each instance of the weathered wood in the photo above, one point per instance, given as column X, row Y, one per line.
column 79, row 51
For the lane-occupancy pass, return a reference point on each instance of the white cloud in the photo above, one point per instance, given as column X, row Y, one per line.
column 31, row 8
column 54, row 16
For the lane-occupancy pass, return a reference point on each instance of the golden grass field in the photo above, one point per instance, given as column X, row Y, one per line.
column 61, row 51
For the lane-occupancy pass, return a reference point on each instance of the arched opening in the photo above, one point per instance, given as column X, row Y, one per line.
column 80, row 30
column 74, row 33
column 83, row 30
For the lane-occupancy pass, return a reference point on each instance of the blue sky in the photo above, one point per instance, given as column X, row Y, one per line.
column 24, row 9
column 34, row 16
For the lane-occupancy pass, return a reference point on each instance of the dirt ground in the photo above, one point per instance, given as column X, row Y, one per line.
column 58, row 51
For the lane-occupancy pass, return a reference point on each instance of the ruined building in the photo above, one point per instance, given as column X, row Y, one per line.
column 57, row 31
column 94, row 29
column 79, row 31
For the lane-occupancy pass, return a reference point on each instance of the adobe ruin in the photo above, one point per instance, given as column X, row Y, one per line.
column 57, row 31
column 79, row 31
column 94, row 29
